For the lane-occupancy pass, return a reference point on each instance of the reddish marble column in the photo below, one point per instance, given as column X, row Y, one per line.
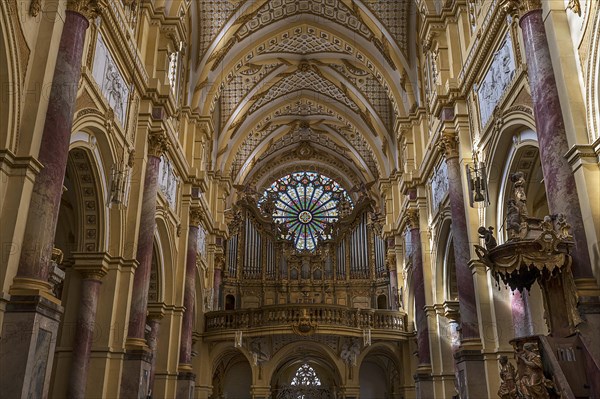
column 419, row 287
column 189, row 296
column 152, row 339
column 84, row 332
column 558, row 174
column 141, row 281
column 460, row 239
column 42, row 218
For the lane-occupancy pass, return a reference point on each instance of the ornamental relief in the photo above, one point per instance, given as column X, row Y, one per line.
column 439, row 186
column 110, row 80
column 496, row 80
column 168, row 181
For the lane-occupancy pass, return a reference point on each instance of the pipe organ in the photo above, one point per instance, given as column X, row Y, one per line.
column 347, row 267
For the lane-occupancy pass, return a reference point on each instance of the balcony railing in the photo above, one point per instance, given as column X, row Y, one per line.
column 323, row 316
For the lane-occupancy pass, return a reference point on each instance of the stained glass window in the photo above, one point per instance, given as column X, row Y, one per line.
column 306, row 376
column 306, row 204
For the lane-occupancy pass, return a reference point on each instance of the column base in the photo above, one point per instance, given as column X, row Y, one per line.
column 29, row 287
column 424, row 382
column 29, row 335
column 186, row 383
column 470, row 370
column 135, row 378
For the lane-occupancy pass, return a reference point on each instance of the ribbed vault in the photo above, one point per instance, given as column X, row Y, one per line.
column 321, row 82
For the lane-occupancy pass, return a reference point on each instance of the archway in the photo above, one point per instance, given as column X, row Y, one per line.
column 379, row 374
column 232, row 377
column 79, row 230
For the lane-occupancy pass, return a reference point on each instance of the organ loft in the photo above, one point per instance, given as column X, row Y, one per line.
column 293, row 199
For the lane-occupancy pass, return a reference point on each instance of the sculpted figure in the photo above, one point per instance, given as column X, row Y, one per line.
column 533, row 383
column 513, row 219
column 488, row 237
column 508, row 383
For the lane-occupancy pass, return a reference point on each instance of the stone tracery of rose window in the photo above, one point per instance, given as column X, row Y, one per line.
column 306, row 204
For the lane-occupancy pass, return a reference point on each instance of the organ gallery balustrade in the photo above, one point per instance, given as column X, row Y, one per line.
column 281, row 319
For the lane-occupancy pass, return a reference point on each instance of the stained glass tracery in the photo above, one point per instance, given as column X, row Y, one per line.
column 306, row 376
column 306, row 204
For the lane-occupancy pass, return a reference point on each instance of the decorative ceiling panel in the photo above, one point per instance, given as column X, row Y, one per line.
column 393, row 14
column 304, row 40
column 360, row 145
column 304, row 79
column 298, row 135
column 275, row 10
column 213, row 16
column 372, row 90
column 240, row 86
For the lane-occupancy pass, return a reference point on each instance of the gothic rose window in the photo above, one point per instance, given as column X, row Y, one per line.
column 306, row 205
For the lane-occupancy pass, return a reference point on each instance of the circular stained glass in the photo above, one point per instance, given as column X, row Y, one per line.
column 305, row 217
column 306, row 203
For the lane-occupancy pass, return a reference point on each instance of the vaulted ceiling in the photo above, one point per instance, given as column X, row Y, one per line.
column 292, row 84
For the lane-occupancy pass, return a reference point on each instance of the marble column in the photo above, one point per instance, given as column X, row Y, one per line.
column 84, row 329
column 29, row 330
column 468, row 357
column 412, row 217
column 152, row 339
column 558, row 174
column 185, row 376
column 157, row 144
column 460, row 239
column 38, row 241
column 137, row 366
column 423, row 378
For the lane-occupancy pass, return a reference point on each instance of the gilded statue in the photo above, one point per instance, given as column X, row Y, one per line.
column 532, row 382
column 516, row 213
column 508, row 380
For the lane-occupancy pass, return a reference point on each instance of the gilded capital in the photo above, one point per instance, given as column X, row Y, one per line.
column 88, row 8
column 219, row 261
column 525, row 6
column 93, row 274
column 158, row 143
column 196, row 215
column 412, row 218
column 448, row 144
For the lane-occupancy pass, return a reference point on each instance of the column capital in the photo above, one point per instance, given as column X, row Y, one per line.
column 158, row 143
column 91, row 265
column 88, row 8
column 525, row 6
column 219, row 261
column 196, row 216
column 412, row 218
column 448, row 144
